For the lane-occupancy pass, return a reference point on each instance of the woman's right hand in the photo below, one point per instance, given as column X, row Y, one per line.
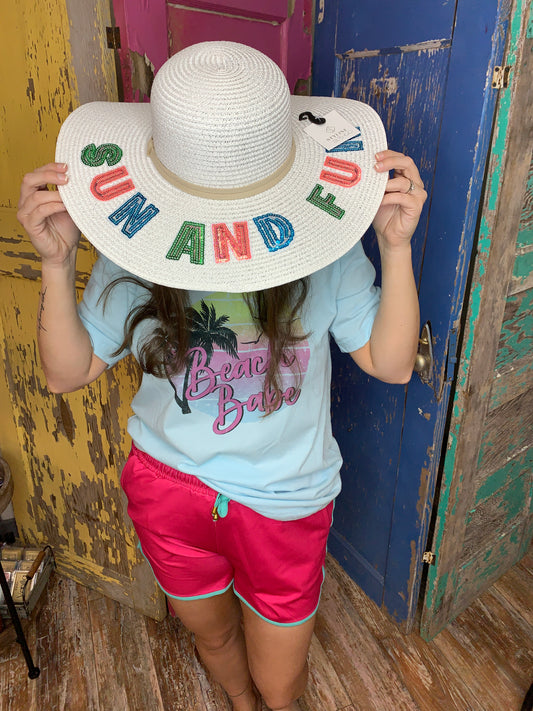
column 44, row 216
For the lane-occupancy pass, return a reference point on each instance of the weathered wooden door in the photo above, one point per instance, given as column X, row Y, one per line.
column 484, row 521
column 427, row 68
column 65, row 451
column 152, row 31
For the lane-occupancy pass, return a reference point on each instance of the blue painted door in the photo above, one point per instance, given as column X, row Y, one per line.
column 426, row 66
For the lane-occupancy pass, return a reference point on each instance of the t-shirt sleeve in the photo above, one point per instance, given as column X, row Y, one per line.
column 104, row 316
column 357, row 300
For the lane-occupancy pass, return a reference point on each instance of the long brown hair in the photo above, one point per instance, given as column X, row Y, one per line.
column 164, row 353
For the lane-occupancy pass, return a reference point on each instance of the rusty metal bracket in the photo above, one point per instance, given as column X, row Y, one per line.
column 500, row 77
column 113, row 37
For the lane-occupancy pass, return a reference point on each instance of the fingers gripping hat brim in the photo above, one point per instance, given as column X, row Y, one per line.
column 160, row 231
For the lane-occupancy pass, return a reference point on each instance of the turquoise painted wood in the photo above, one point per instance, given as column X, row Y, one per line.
column 484, row 521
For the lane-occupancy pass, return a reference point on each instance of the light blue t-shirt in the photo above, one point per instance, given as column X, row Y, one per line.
column 209, row 420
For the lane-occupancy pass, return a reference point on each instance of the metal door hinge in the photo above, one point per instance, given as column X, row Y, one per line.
column 429, row 557
column 500, row 77
column 451, row 355
column 113, row 37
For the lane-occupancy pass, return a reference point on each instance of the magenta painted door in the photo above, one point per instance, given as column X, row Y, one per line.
column 153, row 30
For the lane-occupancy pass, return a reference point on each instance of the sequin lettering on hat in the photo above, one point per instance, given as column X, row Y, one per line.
column 108, row 153
column 136, row 218
column 239, row 242
column 276, row 231
column 114, row 189
column 247, row 196
column 352, row 172
column 190, row 240
column 325, row 203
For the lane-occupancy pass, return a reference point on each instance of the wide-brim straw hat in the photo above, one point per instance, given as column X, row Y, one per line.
column 215, row 184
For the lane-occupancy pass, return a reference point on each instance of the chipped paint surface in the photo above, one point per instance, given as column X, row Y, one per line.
column 427, row 46
column 72, row 448
column 320, row 12
column 516, row 338
column 92, row 63
column 523, row 268
column 38, row 93
column 487, row 481
column 65, row 451
column 409, row 90
column 142, row 75
column 405, row 89
column 384, row 85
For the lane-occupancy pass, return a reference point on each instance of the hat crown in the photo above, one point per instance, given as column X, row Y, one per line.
column 221, row 115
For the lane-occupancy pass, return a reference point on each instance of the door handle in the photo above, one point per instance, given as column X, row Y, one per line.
column 424, row 358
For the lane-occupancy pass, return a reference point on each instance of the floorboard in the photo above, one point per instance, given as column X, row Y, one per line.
column 96, row 655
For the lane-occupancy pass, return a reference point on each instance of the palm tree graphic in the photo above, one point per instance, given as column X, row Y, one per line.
column 207, row 330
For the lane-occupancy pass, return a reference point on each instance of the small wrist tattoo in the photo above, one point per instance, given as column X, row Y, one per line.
column 40, row 326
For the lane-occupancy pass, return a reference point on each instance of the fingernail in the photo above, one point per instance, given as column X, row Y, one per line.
column 64, row 166
column 379, row 155
column 378, row 166
column 62, row 178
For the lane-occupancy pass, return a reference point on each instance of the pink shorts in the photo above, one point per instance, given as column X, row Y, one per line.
column 275, row 567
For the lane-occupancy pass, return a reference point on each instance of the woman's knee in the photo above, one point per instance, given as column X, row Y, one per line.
column 214, row 621
column 219, row 639
column 280, row 693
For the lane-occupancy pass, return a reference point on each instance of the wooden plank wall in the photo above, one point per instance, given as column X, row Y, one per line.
column 485, row 521
column 499, row 525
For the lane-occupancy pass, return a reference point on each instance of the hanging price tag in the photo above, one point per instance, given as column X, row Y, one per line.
column 335, row 131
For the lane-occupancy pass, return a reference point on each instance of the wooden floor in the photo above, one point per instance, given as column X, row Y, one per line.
column 96, row 655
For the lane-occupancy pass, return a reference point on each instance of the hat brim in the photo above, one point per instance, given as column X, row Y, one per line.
column 319, row 235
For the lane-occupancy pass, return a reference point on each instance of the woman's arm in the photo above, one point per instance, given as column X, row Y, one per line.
column 390, row 353
column 65, row 348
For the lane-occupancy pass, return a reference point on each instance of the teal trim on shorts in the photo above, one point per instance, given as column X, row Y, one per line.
column 284, row 624
column 177, row 597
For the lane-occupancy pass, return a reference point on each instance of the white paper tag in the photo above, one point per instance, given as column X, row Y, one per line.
column 335, row 131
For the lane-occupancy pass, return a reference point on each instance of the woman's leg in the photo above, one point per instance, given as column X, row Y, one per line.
column 216, row 624
column 277, row 658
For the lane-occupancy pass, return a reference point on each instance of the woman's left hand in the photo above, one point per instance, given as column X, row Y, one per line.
column 399, row 212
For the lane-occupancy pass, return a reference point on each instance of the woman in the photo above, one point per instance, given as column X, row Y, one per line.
column 230, row 251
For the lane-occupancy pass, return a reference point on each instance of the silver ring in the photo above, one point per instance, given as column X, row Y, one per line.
column 411, row 186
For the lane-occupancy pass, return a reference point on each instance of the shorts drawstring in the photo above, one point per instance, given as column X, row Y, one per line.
column 220, row 509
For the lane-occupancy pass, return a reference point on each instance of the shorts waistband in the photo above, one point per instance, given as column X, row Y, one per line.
column 169, row 472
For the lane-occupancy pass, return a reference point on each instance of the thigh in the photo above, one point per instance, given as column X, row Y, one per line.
column 277, row 654
column 210, row 619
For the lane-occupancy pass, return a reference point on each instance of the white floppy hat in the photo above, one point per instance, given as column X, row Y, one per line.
column 216, row 184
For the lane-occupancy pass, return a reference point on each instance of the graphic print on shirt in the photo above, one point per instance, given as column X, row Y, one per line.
column 226, row 365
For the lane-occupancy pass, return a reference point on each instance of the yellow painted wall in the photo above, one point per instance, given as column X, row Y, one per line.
column 65, row 451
